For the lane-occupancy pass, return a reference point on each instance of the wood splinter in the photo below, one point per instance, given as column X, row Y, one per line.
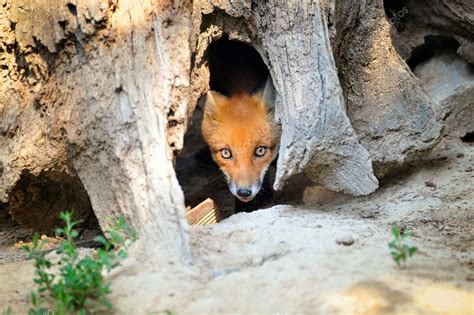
column 204, row 213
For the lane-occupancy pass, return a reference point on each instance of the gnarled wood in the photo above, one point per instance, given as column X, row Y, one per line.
column 391, row 113
column 100, row 92
column 292, row 38
column 94, row 85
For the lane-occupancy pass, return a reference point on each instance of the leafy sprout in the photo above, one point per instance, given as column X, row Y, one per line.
column 75, row 283
column 399, row 249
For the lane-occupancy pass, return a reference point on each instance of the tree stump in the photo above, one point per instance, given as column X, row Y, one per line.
column 102, row 93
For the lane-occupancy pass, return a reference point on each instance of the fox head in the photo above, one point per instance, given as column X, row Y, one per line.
column 243, row 137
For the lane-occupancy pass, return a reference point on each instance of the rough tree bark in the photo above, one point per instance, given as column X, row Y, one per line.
column 99, row 94
column 293, row 40
column 391, row 113
column 90, row 91
column 448, row 22
column 439, row 18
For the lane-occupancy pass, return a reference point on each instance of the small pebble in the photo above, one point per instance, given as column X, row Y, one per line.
column 430, row 184
column 346, row 240
column 460, row 155
column 367, row 215
column 468, row 169
column 470, row 277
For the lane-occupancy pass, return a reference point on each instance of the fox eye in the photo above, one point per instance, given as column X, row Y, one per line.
column 226, row 154
column 260, row 151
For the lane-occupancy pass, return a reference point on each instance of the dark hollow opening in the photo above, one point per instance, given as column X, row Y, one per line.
column 469, row 137
column 234, row 67
column 35, row 203
column 433, row 45
column 396, row 12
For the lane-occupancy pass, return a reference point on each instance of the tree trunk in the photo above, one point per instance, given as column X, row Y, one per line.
column 448, row 28
column 93, row 89
column 293, row 40
column 391, row 113
column 438, row 18
column 97, row 95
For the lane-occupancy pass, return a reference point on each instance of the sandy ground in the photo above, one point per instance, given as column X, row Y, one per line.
column 287, row 259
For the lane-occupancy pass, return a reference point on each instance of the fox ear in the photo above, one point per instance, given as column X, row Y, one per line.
column 268, row 94
column 213, row 98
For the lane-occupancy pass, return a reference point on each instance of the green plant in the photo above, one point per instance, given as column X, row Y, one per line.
column 74, row 283
column 399, row 250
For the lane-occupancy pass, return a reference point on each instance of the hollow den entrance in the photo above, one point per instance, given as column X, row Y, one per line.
column 234, row 67
column 35, row 203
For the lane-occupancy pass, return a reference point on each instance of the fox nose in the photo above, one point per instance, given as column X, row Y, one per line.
column 244, row 192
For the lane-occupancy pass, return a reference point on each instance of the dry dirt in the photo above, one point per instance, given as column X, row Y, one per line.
column 289, row 259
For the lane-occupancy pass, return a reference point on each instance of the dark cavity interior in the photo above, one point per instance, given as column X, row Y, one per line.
column 34, row 206
column 469, row 137
column 433, row 45
column 37, row 200
column 396, row 12
column 234, row 67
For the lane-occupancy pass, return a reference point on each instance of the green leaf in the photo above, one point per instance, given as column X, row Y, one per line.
column 412, row 250
column 107, row 304
column 79, row 287
column 34, row 299
column 395, row 231
column 65, row 216
column 59, row 231
column 101, row 239
column 392, row 244
column 400, row 251
column 26, row 249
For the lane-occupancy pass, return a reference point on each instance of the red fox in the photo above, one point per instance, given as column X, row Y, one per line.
column 242, row 136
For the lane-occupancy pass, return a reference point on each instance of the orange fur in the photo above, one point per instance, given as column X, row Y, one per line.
column 241, row 123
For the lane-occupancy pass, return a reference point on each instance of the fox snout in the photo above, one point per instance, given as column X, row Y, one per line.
column 245, row 192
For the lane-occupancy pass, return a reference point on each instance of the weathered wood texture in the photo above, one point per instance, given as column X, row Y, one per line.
column 317, row 135
column 292, row 37
column 391, row 113
column 98, row 93
column 439, row 18
column 99, row 89
column 448, row 77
